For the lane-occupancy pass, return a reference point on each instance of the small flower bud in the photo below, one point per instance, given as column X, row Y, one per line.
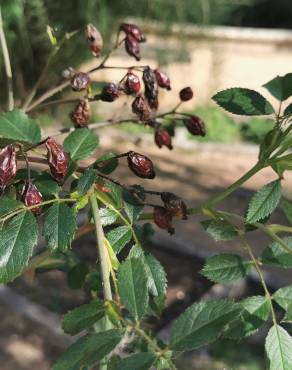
column 80, row 81
column 81, row 114
column 163, row 219
column 151, row 87
column 132, row 83
column 8, row 165
column 134, row 31
column 141, row 108
column 31, row 196
column 175, row 205
column 186, row 94
column 58, row 160
column 141, row 165
column 110, row 92
column 162, row 79
column 132, row 47
column 195, row 126
column 94, row 38
column 162, row 138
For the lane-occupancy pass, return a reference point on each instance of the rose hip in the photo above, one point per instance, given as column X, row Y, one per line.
column 141, row 165
column 58, row 160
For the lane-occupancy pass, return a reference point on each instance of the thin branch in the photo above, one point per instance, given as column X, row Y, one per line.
column 7, row 64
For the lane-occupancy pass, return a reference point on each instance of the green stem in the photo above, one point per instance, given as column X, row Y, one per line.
column 7, row 64
column 101, row 249
column 221, row 196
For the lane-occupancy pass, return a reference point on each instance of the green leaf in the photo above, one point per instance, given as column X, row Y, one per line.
column 287, row 208
column 256, row 311
column 224, row 268
column 104, row 166
column 201, row 324
column 278, row 348
column 157, row 282
column 243, row 102
column 17, row 240
column 76, row 276
column 47, row 185
column 8, row 205
column 115, row 194
column 264, row 202
column 288, row 110
column 59, row 226
column 283, row 296
column 220, row 230
column 280, row 87
column 119, row 237
column 81, row 143
column 83, row 317
column 138, row 361
column 132, row 285
column 88, row 350
column 132, row 205
column 108, row 216
column 288, row 315
column 276, row 255
column 17, row 126
column 86, row 181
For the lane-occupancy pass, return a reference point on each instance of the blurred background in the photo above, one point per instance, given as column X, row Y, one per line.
column 206, row 44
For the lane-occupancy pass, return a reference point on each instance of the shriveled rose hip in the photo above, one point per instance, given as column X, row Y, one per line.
column 8, row 165
column 162, row 138
column 195, row 125
column 141, row 108
column 141, row 165
column 132, row 83
column 162, row 79
column 94, row 38
column 110, row 92
column 175, row 205
column 81, row 114
column 163, row 219
column 80, row 81
column 186, row 94
column 31, row 196
column 58, row 160
column 134, row 31
column 132, row 47
column 151, row 87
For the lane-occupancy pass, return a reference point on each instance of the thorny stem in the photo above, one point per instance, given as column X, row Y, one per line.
column 101, row 249
column 7, row 64
column 43, row 74
column 261, row 277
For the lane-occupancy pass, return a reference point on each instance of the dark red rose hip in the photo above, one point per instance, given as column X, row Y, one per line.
column 162, row 79
column 195, row 126
column 8, row 165
column 81, row 114
column 175, row 205
column 141, row 165
column 132, row 83
column 151, row 87
column 132, row 47
column 94, row 38
column 162, row 138
column 163, row 219
column 134, row 31
column 31, row 196
column 186, row 94
column 58, row 160
column 80, row 81
column 141, row 108
column 110, row 92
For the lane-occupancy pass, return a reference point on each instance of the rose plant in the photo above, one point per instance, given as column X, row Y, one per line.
column 44, row 188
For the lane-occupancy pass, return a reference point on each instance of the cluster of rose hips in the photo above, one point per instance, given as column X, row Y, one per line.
column 144, row 105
